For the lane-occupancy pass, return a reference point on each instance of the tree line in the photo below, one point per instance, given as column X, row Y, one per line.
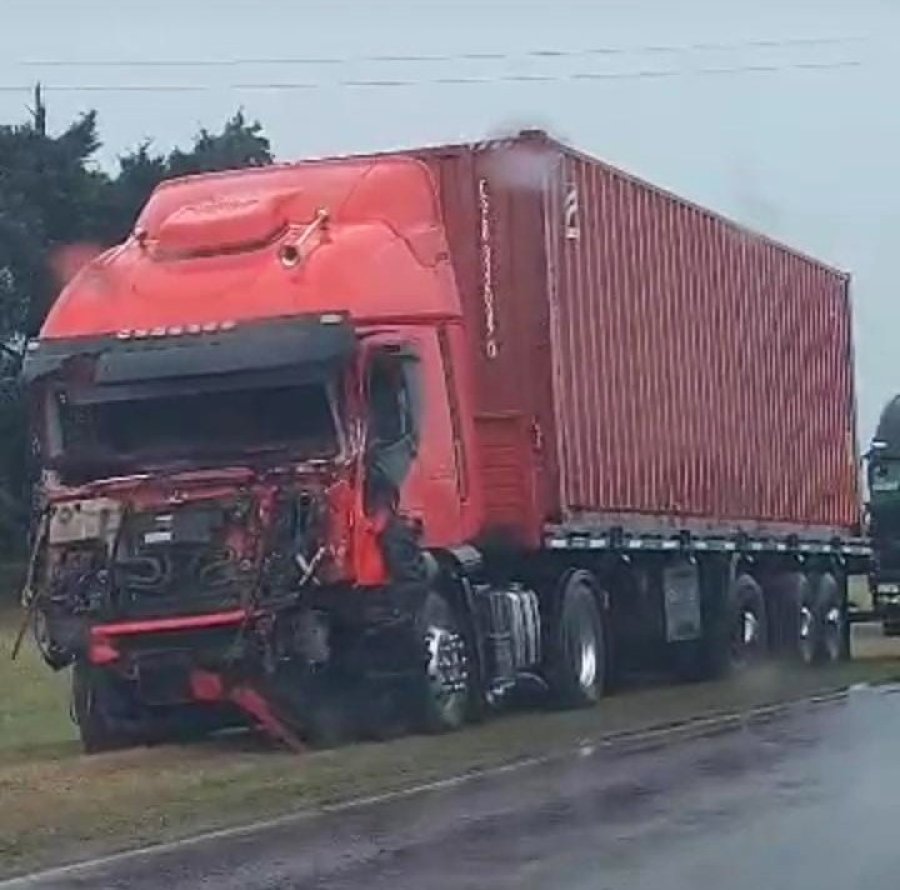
column 54, row 194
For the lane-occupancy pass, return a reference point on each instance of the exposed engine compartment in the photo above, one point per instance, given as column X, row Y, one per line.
column 106, row 560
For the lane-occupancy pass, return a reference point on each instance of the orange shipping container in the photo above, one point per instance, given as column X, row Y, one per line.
column 638, row 357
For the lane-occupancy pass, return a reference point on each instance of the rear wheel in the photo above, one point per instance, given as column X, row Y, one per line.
column 830, row 618
column 748, row 632
column 737, row 635
column 800, row 626
column 576, row 667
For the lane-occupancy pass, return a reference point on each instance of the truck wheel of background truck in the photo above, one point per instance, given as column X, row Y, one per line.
column 444, row 688
column 99, row 708
column 576, row 669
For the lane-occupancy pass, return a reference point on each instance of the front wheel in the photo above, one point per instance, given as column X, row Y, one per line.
column 576, row 669
column 99, row 708
column 444, row 688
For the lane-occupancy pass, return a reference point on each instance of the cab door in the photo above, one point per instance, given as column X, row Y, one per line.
column 411, row 456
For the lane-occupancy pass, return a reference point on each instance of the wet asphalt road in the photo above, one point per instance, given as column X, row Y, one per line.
column 807, row 801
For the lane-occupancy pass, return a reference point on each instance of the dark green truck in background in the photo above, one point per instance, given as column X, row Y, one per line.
column 884, row 517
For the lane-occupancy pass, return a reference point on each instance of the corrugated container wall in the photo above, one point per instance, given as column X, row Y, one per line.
column 636, row 354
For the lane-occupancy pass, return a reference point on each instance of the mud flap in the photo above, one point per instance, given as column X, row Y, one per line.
column 681, row 602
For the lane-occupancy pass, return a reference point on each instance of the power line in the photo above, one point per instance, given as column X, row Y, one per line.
column 647, row 74
column 545, row 53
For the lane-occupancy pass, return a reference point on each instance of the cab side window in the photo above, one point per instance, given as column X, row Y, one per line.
column 394, row 400
column 394, row 413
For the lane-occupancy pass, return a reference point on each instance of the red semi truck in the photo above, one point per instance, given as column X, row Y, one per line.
column 381, row 438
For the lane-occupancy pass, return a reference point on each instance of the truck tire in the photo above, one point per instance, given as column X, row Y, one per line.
column 381, row 714
column 830, row 620
column 443, row 690
column 98, row 708
column 799, row 624
column 319, row 707
column 576, row 668
column 738, row 634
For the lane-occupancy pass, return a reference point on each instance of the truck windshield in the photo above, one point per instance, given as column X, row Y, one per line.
column 190, row 427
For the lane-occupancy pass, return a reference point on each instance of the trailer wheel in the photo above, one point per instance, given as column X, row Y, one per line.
column 830, row 619
column 576, row 669
column 98, row 706
column 444, row 687
column 738, row 636
column 799, row 627
column 748, row 630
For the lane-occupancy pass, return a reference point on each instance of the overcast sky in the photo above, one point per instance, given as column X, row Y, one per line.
column 779, row 113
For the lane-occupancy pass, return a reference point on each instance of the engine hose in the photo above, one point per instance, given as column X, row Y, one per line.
column 219, row 572
column 159, row 573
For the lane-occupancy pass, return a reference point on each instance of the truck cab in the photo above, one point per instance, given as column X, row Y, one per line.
column 252, row 424
column 883, row 475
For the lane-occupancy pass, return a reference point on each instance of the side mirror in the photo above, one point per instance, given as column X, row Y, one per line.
column 872, row 457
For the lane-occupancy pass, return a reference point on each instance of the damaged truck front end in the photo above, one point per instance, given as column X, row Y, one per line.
column 200, row 524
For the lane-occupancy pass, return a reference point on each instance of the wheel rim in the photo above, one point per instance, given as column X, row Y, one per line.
column 806, row 628
column 745, row 636
column 587, row 676
column 750, row 628
column 446, row 668
column 831, row 634
column 583, row 650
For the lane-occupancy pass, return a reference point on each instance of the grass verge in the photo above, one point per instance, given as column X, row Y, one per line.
column 34, row 702
column 59, row 806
